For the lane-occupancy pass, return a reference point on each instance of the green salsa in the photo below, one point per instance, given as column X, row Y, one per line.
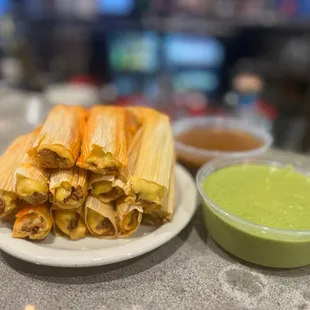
column 270, row 196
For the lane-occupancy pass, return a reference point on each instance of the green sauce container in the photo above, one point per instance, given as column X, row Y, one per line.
column 256, row 243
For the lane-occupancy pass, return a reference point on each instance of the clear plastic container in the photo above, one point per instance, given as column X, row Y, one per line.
column 197, row 157
column 258, row 244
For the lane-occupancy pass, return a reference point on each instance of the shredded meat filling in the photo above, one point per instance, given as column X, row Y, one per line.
column 51, row 159
column 74, row 222
column 76, row 194
column 106, row 223
column 37, row 198
column 2, row 206
column 33, row 227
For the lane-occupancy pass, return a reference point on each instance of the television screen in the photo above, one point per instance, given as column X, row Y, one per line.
column 185, row 50
column 4, row 6
column 115, row 7
column 199, row 80
column 134, row 52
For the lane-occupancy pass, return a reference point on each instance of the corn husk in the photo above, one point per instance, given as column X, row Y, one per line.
column 33, row 222
column 31, row 181
column 108, row 188
column 100, row 218
column 134, row 121
column 58, row 143
column 158, row 215
column 104, row 147
column 140, row 115
column 9, row 162
column 69, row 223
column 150, row 159
column 68, row 188
column 129, row 213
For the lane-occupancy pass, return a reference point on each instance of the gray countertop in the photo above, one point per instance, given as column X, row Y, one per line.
column 189, row 272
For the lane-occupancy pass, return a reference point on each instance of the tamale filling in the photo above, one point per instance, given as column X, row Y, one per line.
column 74, row 222
column 130, row 220
column 102, row 187
column 51, row 158
column 33, row 224
column 76, row 194
column 114, row 193
column 36, row 198
column 106, row 226
column 106, row 170
column 70, row 223
column 148, row 191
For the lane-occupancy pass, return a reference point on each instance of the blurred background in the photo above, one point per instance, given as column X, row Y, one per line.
column 245, row 58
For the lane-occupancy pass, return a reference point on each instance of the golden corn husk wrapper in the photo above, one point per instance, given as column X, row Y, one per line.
column 129, row 213
column 158, row 215
column 100, row 218
column 151, row 154
column 134, row 121
column 33, row 222
column 140, row 115
column 9, row 163
column 31, row 181
column 59, row 141
column 108, row 188
column 69, row 223
column 68, row 188
column 104, row 147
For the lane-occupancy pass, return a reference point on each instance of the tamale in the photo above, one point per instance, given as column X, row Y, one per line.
column 134, row 121
column 150, row 159
column 68, row 187
column 100, row 218
column 69, row 223
column 140, row 115
column 158, row 215
column 129, row 213
column 104, row 147
column 9, row 162
column 108, row 188
column 33, row 222
column 31, row 181
column 58, row 143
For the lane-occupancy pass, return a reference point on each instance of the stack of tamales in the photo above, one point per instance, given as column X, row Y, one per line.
column 98, row 172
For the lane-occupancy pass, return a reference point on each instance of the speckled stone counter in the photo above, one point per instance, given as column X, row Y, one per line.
column 189, row 272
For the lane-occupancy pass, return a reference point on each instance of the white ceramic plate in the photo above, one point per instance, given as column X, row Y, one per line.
column 57, row 251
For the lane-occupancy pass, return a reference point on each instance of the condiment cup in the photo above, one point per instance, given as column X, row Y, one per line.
column 258, row 244
column 197, row 157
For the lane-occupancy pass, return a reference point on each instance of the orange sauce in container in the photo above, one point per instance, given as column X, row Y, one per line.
column 215, row 139
column 224, row 140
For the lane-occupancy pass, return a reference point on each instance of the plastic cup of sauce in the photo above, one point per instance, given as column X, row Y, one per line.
column 199, row 140
column 258, row 209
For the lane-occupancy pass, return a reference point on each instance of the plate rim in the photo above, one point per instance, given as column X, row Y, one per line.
column 96, row 257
